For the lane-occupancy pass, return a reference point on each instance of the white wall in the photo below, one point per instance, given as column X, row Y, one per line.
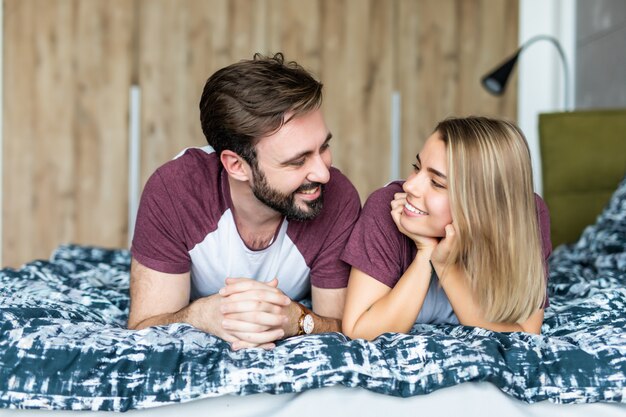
column 600, row 54
column 541, row 78
column 1, row 113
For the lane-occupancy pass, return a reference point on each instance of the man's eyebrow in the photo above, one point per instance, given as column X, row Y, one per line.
column 305, row 153
column 431, row 170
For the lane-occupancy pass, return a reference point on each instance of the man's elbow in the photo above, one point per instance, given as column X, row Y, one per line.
column 136, row 323
column 133, row 325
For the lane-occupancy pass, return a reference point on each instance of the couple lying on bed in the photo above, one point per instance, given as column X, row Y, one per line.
column 228, row 237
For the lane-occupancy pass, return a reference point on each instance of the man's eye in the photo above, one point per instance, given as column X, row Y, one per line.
column 415, row 167
column 325, row 146
column 297, row 163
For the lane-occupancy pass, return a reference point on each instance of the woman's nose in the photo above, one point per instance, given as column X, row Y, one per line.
column 413, row 185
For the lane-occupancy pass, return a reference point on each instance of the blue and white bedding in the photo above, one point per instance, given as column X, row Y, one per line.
column 63, row 342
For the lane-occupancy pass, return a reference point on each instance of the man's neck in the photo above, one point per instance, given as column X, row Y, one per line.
column 256, row 222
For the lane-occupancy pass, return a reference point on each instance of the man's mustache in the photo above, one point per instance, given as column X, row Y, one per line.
column 309, row 186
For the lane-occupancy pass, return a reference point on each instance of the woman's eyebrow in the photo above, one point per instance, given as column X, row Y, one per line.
column 432, row 170
column 437, row 173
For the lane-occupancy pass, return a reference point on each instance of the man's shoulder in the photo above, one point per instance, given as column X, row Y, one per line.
column 190, row 161
column 194, row 174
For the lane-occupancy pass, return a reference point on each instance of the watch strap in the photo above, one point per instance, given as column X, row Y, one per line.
column 303, row 313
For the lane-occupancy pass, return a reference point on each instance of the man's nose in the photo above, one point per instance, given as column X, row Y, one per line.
column 319, row 170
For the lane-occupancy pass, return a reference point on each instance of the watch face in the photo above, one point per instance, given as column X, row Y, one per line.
column 308, row 324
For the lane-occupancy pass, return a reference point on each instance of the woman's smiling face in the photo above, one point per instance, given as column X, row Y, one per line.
column 427, row 209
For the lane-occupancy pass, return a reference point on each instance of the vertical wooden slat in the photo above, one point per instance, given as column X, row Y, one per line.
column 333, row 73
column 442, row 49
column 103, row 75
column 487, row 35
column 408, row 63
column 181, row 45
column 427, row 56
column 294, row 28
column 54, row 209
column 18, row 130
column 358, row 74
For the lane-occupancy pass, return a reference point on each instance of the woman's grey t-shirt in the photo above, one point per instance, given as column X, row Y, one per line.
column 377, row 248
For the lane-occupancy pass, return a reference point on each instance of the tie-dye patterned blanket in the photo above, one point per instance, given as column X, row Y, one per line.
column 63, row 342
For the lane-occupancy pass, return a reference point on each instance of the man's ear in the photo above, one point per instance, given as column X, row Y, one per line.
column 235, row 165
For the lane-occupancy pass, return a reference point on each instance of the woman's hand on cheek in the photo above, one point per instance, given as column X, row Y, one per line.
column 397, row 206
column 443, row 249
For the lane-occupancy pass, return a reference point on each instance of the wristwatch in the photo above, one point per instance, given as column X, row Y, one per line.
column 305, row 322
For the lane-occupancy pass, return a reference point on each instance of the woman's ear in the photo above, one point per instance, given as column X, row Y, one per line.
column 235, row 166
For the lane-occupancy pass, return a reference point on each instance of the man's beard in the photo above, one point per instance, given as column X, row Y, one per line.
column 285, row 204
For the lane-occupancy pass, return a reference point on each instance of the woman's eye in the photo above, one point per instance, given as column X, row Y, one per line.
column 415, row 167
column 436, row 184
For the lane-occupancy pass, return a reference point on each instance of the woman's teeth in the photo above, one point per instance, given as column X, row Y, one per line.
column 413, row 209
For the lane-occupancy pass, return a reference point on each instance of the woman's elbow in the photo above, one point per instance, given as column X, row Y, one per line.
column 347, row 327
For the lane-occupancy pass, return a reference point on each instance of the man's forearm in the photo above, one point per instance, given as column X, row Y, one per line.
column 181, row 316
column 161, row 319
column 321, row 324
column 326, row 324
column 201, row 314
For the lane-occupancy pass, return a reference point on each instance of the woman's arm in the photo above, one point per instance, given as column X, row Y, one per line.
column 457, row 288
column 372, row 308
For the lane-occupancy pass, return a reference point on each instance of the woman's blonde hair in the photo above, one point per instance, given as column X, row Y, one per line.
column 494, row 210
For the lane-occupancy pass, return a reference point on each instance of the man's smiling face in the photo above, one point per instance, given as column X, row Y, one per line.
column 293, row 166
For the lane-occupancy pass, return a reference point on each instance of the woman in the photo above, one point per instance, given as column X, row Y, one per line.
column 466, row 240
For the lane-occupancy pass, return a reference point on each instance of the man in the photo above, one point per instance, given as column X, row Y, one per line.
column 251, row 223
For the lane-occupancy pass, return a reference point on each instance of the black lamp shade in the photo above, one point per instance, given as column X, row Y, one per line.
column 495, row 81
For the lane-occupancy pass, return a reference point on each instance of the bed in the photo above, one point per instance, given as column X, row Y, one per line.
column 63, row 343
column 64, row 347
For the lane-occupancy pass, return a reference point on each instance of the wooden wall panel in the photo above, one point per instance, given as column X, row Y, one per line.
column 487, row 35
column 19, row 132
column 69, row 65
column 427, row 55
column 180, row 45
column 442, row 48
column 102, row 48
column 366, row 111
column 65, row 132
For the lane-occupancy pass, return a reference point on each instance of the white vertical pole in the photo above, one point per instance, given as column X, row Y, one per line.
column 1, row 127
column 396, row 112
column 541, row 78
column 134, row 134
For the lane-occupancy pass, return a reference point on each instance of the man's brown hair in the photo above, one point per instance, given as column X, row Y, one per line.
column 250, row 99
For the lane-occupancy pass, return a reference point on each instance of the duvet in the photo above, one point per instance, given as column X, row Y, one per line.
column 64, row 345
